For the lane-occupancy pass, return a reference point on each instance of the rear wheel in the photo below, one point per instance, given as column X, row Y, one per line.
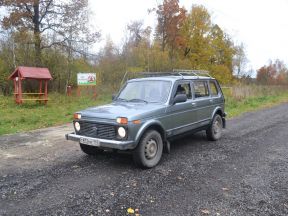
column 90, row 150
column 214, row 131
column 149, row 150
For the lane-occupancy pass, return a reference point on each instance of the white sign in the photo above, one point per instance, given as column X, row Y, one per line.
column 86, row 79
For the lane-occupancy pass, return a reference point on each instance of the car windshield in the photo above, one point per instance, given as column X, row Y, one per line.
column 155, row 91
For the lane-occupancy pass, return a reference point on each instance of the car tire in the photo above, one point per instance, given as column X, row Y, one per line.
column 90, row 150
column 148, row 153
column 214, row 131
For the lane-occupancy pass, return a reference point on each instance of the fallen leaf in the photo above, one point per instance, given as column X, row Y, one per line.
column 130, row 211
column 225, row 189
column 75, row 166
column 205, row 211
column 107, row 210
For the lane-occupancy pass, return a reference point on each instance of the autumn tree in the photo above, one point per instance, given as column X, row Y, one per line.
column 240, row 61
column 274, row 73
column 195, row 32
column 136, row 49
column 42, row 17
column 170, row 18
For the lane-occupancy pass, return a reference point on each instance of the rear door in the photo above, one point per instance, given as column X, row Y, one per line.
column 216, row 95
column 202, row 101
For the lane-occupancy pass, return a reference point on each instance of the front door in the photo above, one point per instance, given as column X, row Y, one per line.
column 181, row 117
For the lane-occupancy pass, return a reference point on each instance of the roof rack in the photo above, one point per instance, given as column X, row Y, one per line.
column 192, row 72
column 176, row 72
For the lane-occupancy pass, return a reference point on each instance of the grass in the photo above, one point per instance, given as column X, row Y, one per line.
column 241, row 99
column 60, row 109
column 30, row 115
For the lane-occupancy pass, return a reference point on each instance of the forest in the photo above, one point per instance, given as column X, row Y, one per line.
column 57, row 35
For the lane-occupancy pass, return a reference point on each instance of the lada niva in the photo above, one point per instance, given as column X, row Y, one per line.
column 148, row 112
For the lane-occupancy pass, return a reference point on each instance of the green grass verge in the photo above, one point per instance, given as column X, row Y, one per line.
column 60, row 109
column 30, row 115
column 237, row 107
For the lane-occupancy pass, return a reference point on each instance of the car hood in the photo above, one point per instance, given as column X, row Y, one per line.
column 122, row 109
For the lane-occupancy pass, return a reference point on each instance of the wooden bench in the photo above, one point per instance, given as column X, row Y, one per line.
column 37, row 97
column 29, row 93
column 34, row 99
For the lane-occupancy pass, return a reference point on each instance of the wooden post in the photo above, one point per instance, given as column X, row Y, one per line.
column 40, row 91
column 15, row 89
column 78, row 91
column 94, row 92
column 46, row 91
column 20, row 91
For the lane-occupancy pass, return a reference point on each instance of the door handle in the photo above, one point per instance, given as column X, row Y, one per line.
column 211, row 100
column 193, row 104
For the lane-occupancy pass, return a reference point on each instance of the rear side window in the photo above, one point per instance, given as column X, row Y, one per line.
column 200, row 89
column 213, row 88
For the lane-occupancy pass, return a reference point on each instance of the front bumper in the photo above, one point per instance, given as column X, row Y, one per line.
column 113, row 144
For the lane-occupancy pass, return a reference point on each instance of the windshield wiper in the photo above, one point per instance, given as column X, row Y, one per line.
column 138, row 100
column 122, row 99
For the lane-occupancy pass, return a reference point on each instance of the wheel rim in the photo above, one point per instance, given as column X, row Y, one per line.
column 151, row 148
column 217, row 126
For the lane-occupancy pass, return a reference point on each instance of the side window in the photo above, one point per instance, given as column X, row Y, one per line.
column 213, row 88
column 184, row 88
column 200, row 89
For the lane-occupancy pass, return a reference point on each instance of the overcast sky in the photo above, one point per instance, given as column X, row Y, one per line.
column 262, row 25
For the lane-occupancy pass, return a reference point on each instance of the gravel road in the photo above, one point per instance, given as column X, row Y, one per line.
column 244, row 173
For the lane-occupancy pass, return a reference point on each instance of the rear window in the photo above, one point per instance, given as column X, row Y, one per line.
column 213, row 88
column 200, row 89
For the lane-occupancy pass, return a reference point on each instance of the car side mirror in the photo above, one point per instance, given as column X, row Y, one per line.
column 113, row 97
column 180, row 98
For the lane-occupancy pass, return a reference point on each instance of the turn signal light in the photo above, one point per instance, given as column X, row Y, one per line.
column 136, row 122
column 77, row 116
column 122, row 120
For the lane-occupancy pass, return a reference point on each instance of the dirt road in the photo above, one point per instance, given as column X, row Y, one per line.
column 245, row 173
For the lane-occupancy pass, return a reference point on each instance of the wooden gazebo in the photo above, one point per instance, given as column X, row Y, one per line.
column 22, row 73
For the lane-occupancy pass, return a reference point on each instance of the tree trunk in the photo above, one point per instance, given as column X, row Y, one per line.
column 37, row 36
column 69, row 72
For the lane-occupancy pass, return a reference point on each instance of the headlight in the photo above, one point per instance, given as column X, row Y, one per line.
column 121, row 132
column 77, row 126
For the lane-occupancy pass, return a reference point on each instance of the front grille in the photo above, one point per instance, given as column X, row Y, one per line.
column 97, row 130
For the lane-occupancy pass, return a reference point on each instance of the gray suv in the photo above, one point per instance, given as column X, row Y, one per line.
column 148, row 112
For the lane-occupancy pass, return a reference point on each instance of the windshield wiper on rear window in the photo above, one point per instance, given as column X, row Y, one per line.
column 138, row 100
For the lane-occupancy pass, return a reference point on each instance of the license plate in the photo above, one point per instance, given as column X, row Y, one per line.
column 88, row 141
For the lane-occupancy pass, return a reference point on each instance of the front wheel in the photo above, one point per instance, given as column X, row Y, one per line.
column 149, row 150
column 90, row 150
column 214, row 131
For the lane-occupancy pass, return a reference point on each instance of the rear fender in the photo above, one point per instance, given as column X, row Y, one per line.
column 223, row 114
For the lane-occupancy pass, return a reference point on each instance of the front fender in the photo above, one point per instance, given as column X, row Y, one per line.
column 148, row 124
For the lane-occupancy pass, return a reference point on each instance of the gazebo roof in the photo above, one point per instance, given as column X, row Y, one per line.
column 31, row 73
